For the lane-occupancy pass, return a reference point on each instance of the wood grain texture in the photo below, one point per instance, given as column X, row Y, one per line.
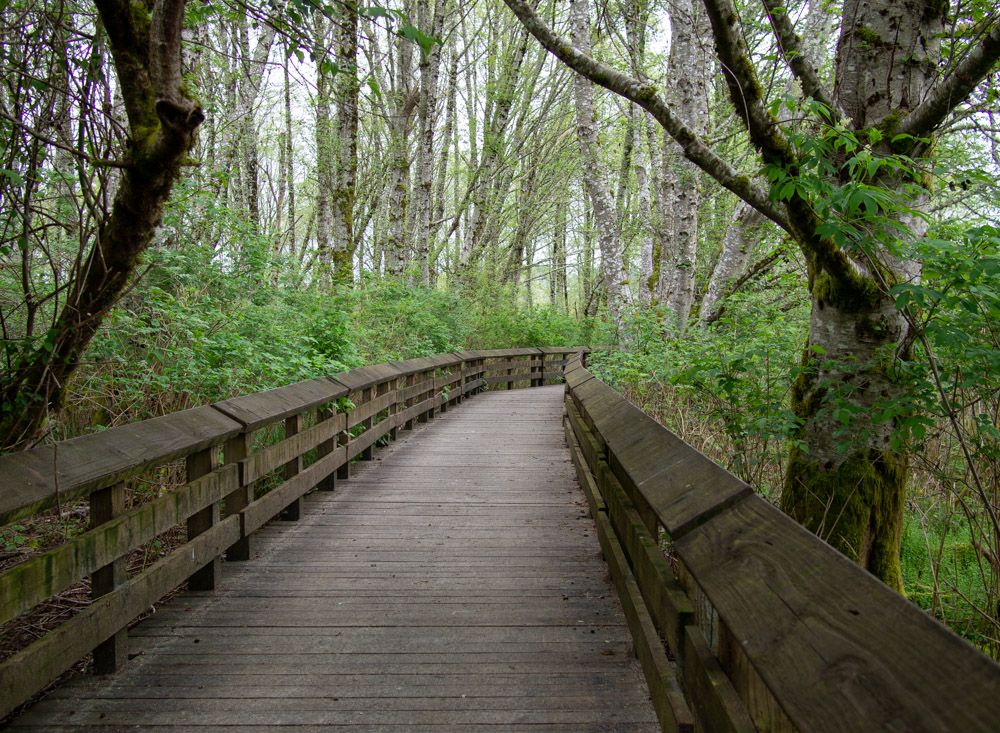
column 453, row 584
column 808, row 640
column 44, row 575
column 838, row 649
column 367, row 376
column 32, row 668
column 98, row 460
column 263, row 408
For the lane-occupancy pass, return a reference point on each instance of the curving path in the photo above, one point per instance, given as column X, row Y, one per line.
column 454, row 584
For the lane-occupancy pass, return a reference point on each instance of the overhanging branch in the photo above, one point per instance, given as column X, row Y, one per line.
column 645, row 96
column 955, row 88
column 791, row 49
column 744, row 88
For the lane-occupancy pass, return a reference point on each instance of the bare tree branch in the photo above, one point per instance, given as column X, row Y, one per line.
column 791, row 49
column 756, row 270
column 956, row 87
column 96, row 162
column 645, row 95
column 745, row 90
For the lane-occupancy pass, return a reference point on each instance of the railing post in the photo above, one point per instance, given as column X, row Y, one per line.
column 293, row 511
column 426, row 414
column 510, row 385
column 409, row 382
column 238, row 448
column 343, row 438
column 444, row 403
column 368, row 423
column 432, row 392
column 540, row 379
column 106, row 504
column 325, row 412
column 394, row 407
column 197, row 465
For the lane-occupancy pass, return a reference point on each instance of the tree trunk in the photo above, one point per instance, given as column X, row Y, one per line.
column 440, row 190
column 558, row 295
column 587, row 288
column 345, row 165
column 849, row 485
column 251, row 80
column 324, row 162
column 162, row 119
column 746, row 227
column 405, row 99
column 689, row 69
column 289, row 171
column 616, row 283
column 426, row 116
column 489, row 181
column 892, row 91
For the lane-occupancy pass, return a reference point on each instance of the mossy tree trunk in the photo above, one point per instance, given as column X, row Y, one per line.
column 849, row 484
column 844, row 480
column 145, row 42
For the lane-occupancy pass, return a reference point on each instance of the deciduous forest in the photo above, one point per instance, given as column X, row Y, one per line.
column 776, row 223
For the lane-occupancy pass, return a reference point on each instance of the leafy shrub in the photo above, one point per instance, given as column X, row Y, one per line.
column 500, row 324
column 723, row 388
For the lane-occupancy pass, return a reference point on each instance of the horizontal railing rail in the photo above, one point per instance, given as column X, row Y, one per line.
column 770, row 628
column 246, row 461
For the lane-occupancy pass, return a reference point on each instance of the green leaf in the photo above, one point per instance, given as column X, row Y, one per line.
column 414, row 35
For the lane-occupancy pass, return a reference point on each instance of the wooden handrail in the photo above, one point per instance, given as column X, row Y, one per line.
column 225, row 459
column 771, row 629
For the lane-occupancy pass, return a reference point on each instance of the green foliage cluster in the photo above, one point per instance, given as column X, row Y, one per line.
column 943, row 571
column 217, row 314
column 500, row 324
column 724, row 388
column 390, row 320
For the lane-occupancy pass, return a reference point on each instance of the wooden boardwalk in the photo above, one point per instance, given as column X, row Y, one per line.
column 454, row 584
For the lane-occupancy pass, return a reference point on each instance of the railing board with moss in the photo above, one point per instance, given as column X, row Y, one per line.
column 771, row 628
column 219, row 501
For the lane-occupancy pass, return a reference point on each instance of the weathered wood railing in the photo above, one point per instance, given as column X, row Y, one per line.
column 319, row 426
column 770, row 628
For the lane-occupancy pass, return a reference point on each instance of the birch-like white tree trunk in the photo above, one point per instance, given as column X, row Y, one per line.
column 251, row 80
column 689, row 68
column 440, row 192
column 426, row 116
column 405, row 96
column 324, row 162
column 737, row 243
column 345, row 165
column 492, row 171
column 644, row 152
column 615, row 276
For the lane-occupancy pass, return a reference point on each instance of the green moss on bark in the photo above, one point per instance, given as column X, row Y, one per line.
column 856, row 506
column 854, row 294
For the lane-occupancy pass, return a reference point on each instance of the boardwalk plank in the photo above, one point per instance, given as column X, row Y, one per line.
column 455, row 583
